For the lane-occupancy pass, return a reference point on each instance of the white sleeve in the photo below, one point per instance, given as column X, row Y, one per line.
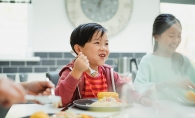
column 143, row 78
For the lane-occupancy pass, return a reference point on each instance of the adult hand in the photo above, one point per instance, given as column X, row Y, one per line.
column 38, row 87
column 10, row 93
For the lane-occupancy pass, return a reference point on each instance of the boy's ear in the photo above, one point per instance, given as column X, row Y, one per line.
column 156, row 37
column 77, row 48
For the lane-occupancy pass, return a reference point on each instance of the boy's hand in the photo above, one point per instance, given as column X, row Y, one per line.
column 81, row 64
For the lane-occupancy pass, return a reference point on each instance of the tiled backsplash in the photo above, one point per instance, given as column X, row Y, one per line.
column 50, row 61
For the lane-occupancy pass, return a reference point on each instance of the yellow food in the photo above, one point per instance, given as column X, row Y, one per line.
column 39, row 114
column 190, row 95
column 84, row 116
column 100, row 95
column 62, row 114
column 70, row 114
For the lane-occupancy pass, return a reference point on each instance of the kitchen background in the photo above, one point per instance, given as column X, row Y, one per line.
column 49, row 29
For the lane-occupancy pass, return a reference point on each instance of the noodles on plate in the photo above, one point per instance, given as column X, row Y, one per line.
column 106, row 102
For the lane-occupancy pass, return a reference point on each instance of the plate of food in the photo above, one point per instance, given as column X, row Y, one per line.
column 186, row 97
column 62, row 114
column 102, row 103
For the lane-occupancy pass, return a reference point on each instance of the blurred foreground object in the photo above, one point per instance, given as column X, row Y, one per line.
column 190, row 95
column 39, row 114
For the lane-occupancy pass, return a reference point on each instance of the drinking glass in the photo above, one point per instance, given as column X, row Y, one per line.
column 23, row 77
column 11, row 76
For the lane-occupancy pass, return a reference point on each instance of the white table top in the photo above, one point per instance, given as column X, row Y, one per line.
column 165, row 109
column 22, row 110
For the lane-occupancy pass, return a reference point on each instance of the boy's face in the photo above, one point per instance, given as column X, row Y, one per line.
column 97, row 50
column 169, row 40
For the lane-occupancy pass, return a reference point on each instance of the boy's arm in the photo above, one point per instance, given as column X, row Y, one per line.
column 66, row 87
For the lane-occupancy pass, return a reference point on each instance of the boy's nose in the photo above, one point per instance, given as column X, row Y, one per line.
column 103, row 47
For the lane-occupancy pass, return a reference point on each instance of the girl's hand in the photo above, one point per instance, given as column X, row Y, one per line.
column 146, row 102
column 151, row 92
column 81, row 64
column 185, row 83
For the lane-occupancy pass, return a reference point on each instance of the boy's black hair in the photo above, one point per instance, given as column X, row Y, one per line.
column 84, row 33
column 161, row 24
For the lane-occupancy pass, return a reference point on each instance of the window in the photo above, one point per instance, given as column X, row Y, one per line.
column 185, row 13
column 14, row 28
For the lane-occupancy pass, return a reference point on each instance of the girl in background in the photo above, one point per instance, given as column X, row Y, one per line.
column 165, row 68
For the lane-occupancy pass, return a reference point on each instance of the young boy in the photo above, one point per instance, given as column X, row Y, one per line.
column 90, row 43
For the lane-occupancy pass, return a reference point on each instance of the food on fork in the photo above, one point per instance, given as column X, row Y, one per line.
column 39, row 114
column 190, row 95
column 100, row 95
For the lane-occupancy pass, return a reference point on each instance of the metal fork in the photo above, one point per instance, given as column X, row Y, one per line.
column 92, row 72
column 191, row 88
column 52, row 89
column 58, row 103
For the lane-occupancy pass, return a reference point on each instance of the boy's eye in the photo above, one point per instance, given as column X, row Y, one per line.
column 171, row 36
column 106, row 43
column 96, row 43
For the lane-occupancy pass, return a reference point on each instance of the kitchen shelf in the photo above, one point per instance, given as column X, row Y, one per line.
column 36, row 59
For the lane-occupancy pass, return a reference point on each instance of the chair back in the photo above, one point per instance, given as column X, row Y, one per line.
column 53, row 76
column 134, row 72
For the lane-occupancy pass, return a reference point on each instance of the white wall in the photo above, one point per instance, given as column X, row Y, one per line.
column 52, row 28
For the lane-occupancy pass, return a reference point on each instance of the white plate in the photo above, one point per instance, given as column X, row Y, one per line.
column 180, row 97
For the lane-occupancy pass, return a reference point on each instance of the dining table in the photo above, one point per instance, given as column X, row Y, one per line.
column 160, row 109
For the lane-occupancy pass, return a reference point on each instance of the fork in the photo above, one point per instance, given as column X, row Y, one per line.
column 191, row 88
column 56, row 103
column 92, row 72
column 52, row 89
